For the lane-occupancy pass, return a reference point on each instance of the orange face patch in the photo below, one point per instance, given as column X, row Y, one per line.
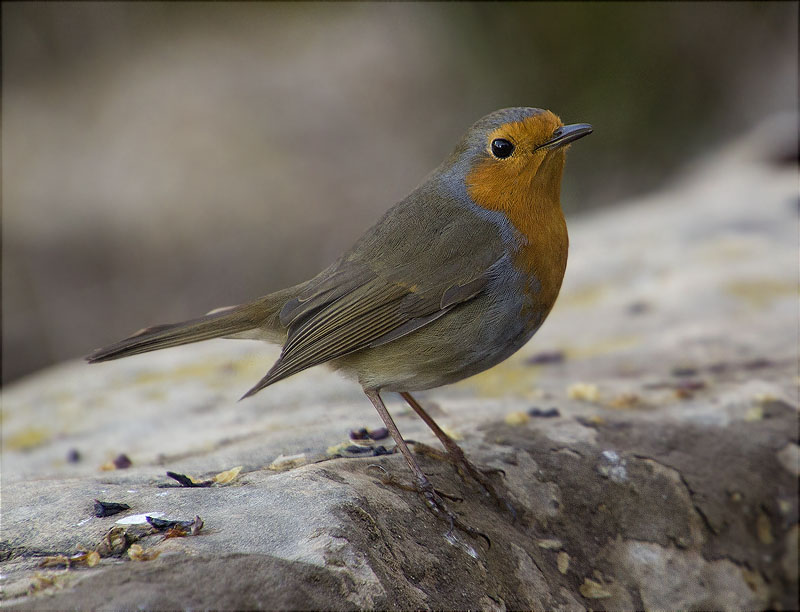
column 491, row 179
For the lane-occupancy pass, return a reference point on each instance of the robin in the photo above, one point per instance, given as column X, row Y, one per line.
column 451, row 281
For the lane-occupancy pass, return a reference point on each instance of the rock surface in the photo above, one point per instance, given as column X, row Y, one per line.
column 665, row 478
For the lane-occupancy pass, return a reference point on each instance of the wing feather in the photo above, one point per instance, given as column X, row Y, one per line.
column 372, row 314
column 340, row 313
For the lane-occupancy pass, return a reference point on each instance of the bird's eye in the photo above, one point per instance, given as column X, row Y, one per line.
column 502, row 148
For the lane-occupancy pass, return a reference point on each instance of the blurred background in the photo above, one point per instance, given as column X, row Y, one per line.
column 160, row 160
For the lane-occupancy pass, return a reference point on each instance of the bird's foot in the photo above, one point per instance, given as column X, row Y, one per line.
column 440, row 509
column 388, row 479
column 433, row 499
column 465, row 468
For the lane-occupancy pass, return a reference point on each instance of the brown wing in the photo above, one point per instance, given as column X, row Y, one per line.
column 354, row 308
column 387, row 286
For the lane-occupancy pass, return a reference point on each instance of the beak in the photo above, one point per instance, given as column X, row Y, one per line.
column 567, row 134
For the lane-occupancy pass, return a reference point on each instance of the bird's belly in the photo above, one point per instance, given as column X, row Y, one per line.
column 469, row 339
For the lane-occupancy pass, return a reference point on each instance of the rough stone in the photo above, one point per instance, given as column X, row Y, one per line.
column 672, row 485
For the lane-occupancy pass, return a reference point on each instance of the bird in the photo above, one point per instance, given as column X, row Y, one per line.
column 449, row 282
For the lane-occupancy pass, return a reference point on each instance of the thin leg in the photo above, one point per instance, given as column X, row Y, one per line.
column 424, row 485
column 448, row 442
column 457, row 456
column 375, row 398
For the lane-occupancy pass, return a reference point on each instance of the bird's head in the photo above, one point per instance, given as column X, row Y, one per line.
column 514, row 155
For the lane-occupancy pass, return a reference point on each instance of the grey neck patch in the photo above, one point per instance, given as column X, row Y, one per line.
column 451, row 182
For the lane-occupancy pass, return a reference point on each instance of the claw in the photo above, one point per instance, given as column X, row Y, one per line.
column 433, row 499
column 439, row 508
column 388, row 479
column 493, row 470
column 465, row 467
column 488, row 488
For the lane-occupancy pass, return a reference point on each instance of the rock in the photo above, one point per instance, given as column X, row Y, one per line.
column 671, row 485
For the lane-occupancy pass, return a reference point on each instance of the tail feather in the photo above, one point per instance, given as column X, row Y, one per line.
column 165, row 336
column 261, row 315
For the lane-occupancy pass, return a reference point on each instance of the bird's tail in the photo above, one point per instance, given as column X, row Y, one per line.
column 257, row 319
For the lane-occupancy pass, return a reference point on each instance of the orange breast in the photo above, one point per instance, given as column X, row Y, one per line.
column 530, row 200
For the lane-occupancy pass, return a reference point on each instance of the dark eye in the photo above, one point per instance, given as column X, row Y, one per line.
column 502, row 148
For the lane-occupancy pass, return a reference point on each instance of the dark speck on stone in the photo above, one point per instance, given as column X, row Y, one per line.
column 379, row 434
column 122, row 462
column 185, row 481
column 163, row 524
column 357, row 449
column 103, row 508
column 587, row 422
column 757, row 364
column 683, row 372
column 686, row 388
column 538, row 412
column 637, row 308
column 546, row 357
column 359, row 434
column 73, row 456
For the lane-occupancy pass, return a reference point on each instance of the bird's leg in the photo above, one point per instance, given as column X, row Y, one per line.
column 457, row 456
column 424, row 486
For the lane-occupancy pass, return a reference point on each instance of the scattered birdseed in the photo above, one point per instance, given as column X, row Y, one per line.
column 516, row 418
column 287, row 462
column 103, row 508
column 379, row 434
column 591, row 589
column 137, row 553
column 358, row 449
column 359, row 434
column 192, row 527
column 587, row 392
column 227, row 476
column 562, row 561
column 185, row 481
column 86, row 557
